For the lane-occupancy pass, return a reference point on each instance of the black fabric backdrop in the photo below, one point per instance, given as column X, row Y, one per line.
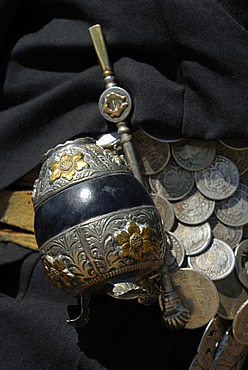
column 185, row 65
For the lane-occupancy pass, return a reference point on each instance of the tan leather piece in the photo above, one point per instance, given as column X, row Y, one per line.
column 21, row 238
column 16, row 210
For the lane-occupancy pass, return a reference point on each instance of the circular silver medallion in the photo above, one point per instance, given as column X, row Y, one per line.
column 152, row 155
column 238, row 157
column 243, row 179
column 155, row 132
column 217, row 262
column 219, row 180
column 197, row 293
column 115, row 104
column 173, row 182
column 240, row 326
column 195, row 239
column 245, row 231
column 229, row 235
column 165, row 210
column 237, row 144
column 232, row 295
column 176, row 252
column 193, row 155
column 241, row 253
column 234, row 210
column 194, row 209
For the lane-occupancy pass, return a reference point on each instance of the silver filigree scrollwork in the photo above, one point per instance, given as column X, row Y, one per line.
column 89, row 253
column 96, row 160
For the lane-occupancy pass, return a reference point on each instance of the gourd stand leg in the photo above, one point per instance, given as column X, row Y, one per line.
column 83, row 318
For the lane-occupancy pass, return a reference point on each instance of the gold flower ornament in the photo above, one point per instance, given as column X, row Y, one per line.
column 66, row 166
column 54, row 270
column 134, row 240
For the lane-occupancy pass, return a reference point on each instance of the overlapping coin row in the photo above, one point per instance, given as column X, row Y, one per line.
column 200, row 189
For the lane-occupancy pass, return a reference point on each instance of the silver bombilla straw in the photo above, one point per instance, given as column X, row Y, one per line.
column 115, row 103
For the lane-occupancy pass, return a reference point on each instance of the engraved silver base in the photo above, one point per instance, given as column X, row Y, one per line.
column 89, row 256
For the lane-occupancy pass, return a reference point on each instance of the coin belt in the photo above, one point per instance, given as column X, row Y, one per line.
column 201, row 192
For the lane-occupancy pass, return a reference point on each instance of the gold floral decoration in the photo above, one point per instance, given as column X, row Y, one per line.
column 135, row 241
column 55, row 272
column 66, row 166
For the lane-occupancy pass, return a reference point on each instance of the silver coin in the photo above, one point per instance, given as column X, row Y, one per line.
column 241, row 254
column 237, row 144
column 219, row 180
column 229, row 235
column 240, row 327
column 245, row 231
column 238, row 157
column 234, row 210
column 217, row 261
column 175, row 252
column 155, row 132
column 197, row 293
column 173, row 182
column 193, row 155
column 195, row 239
column 243, row 178
column 194, row 209
column 152, row 155
column 165, row 210
column 232, row 295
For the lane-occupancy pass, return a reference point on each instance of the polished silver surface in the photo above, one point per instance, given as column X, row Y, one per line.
column 194, row 209
column 238, row 157
column 232, row 295
column 165, row 210
column 241, row 254
column 104, row 247
column 230, row 235
column 219, row 180
column 152, row 155
column 234, row 210
column 176, row 252
column 195, row 239
column 73, row 162
column 217, row 261
column 197, row 293
column 193, row 155
column 240, row 324
column 115, row 104
column 173, row 182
